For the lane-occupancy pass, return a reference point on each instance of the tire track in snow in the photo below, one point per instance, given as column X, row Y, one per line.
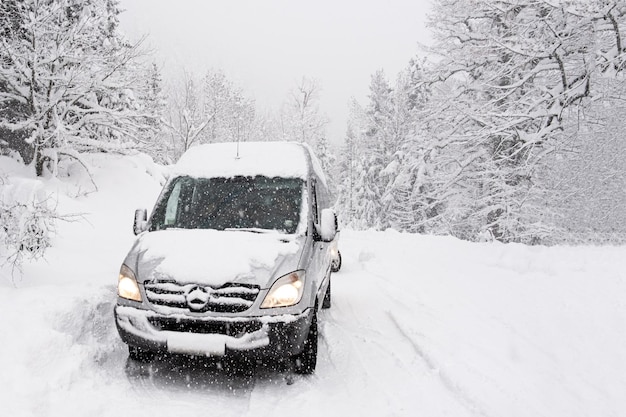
column 458, row 392
column 346, row 344
column 327, row 353
column 362, row 359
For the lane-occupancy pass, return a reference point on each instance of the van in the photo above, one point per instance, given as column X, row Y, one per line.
column 234, row 260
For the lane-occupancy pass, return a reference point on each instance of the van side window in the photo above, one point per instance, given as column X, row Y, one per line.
column 171, row 209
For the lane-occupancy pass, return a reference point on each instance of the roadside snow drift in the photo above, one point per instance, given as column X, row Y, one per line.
column 419, row 325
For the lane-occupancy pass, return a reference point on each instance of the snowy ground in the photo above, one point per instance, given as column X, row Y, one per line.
column 420, row 325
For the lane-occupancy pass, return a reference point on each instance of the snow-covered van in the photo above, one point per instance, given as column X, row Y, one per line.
column 234, row 260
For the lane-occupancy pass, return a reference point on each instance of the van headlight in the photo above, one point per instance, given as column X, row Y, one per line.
column 286, row 291
column 127, row 286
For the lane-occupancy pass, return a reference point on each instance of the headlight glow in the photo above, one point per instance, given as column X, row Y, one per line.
column 286, row 291
column 127, row 286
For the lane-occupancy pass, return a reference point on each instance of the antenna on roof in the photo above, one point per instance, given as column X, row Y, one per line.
column 237, row 157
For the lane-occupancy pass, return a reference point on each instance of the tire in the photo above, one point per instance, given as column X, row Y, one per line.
column 140, row 355
column 305, row 362
column 335, row 266
column 327, row 297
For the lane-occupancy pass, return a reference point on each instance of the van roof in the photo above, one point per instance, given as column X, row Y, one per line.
column 271, row 159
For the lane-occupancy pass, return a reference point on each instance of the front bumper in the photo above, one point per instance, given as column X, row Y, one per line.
column 277, row 336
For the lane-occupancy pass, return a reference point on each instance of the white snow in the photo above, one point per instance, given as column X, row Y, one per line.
column 420, row 325
column 271, row 159
column 211, row 257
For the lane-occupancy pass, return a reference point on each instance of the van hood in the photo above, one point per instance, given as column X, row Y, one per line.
column 212, row 257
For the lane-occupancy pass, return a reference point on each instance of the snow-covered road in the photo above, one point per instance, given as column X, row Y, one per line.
column 419, row 325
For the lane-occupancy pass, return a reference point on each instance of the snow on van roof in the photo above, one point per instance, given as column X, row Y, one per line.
column 271, row 159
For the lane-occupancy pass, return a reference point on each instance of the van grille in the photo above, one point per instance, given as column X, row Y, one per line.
column 229, row 298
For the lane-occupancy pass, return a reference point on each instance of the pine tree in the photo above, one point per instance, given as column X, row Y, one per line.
column 393, row 152
column 347, row 167
column 153, row 101
column 379, row 146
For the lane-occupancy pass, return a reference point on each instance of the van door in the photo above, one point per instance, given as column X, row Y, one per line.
column 320, row 259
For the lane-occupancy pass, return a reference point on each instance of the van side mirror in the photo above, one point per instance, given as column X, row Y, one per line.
column 141, row 221
column 328, row 225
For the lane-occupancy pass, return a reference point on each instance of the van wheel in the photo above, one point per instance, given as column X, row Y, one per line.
column 327, row 303
column 140, row 355
column 335, row 265
column 305, row 362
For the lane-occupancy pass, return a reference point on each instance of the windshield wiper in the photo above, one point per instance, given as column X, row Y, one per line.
column 249, row 229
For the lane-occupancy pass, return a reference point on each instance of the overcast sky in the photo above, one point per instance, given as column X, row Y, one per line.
column 267, row 46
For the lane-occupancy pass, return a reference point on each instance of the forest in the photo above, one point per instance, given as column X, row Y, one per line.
column 507, row 127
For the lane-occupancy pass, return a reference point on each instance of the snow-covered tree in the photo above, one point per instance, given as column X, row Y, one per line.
column 241, row 116
column 586, row 179
column 187, row 119
column 27, row 221
column 218, row 102
column 379, row 145
column 515, row 71
column 71, row 76
column 154, row 101
column 301, row 120
column 265, row 127
column 213, row 109
column 385, row 154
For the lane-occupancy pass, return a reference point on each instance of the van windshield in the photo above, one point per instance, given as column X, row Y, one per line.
column 253, row 203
